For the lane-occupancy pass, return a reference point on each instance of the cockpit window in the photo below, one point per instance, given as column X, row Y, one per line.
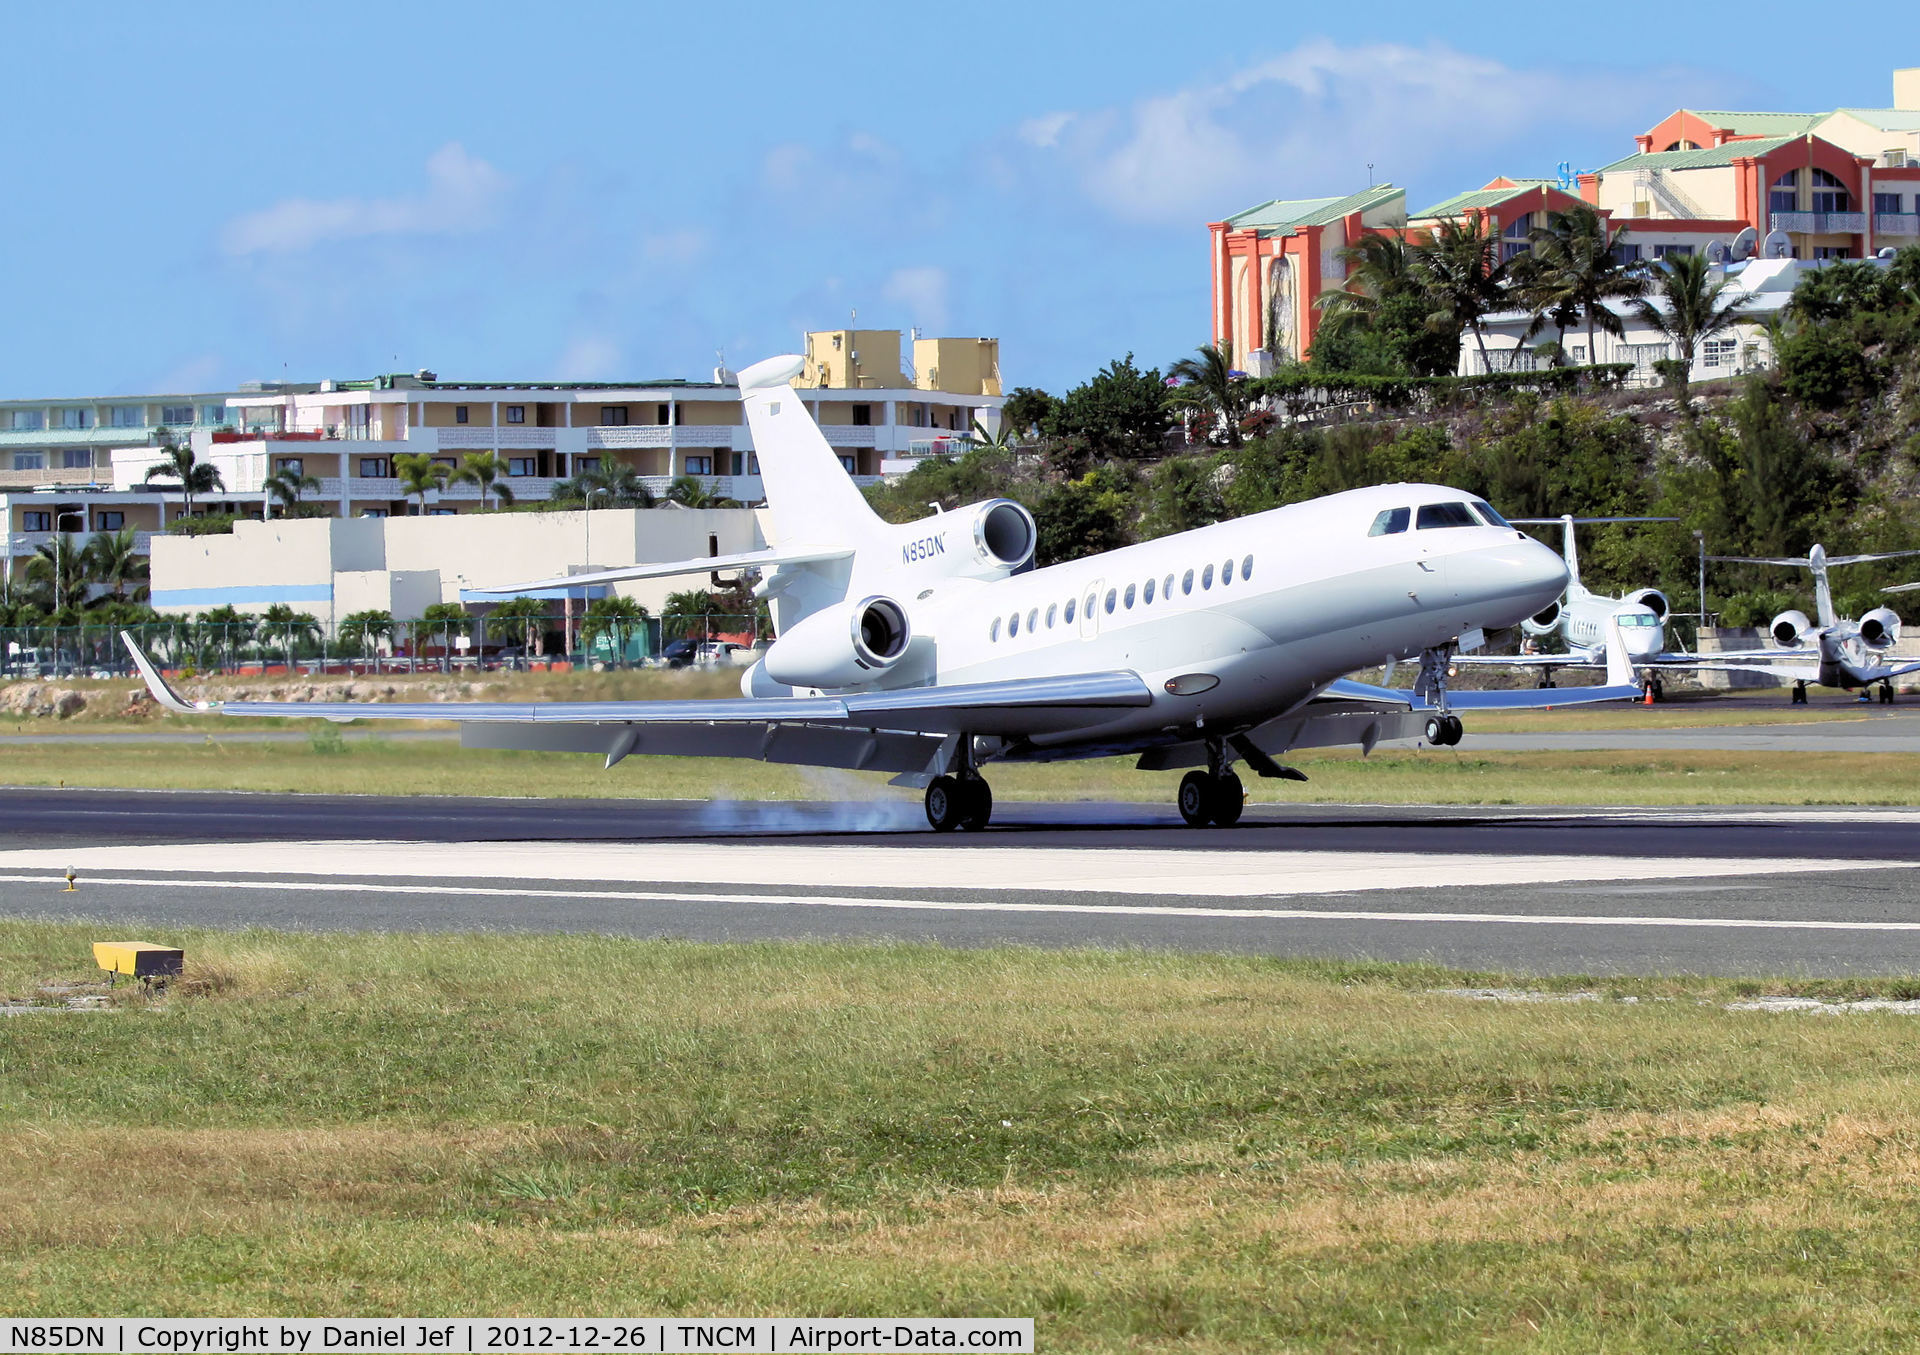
column 1391, row 520
column 1631, row 620
column 1493, row 519
column 1444, row 515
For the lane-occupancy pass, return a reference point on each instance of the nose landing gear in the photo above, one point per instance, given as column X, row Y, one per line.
column 1443, row 731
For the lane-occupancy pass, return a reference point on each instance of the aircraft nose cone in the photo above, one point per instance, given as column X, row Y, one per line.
column 1516, row 579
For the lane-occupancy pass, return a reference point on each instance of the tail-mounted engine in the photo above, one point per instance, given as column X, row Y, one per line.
column 843, row 646
column 981, row 541
column 1651, row 598
column 1880, row 628
column 1789, row 629
column 1543, row 622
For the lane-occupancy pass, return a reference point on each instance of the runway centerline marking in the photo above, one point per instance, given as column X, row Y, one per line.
column 1000, row 906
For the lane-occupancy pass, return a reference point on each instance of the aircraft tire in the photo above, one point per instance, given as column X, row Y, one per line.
column 1196, row 799
column 1437, row 730
column 1886, row 693
column 1229, row 799
column 946, row 804
column 978, row 798
column 1455, row 730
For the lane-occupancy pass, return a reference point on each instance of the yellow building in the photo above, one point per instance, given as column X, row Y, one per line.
column 957, row 366
column 852, row 359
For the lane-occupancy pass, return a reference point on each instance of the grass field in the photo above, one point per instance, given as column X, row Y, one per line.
column 329, row 764
column 1142, row 1151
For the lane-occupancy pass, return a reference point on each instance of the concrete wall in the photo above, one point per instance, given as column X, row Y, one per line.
column 332, row 567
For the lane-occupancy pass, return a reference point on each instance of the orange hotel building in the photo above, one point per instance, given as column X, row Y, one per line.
column 1840, row 184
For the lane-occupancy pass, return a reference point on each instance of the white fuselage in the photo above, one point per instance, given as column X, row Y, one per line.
column 1273, row 607
column 1583, row 624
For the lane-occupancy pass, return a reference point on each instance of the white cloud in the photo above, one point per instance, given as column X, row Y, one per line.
column 1308, row 122
column 590, row 358
column 922, row 292
column 194, row 374
column 462, row 193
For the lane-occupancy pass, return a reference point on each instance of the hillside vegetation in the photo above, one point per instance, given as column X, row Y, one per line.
column 1825, row 448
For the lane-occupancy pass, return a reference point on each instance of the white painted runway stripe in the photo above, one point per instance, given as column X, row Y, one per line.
column 1128, row 910
column 1155, row 872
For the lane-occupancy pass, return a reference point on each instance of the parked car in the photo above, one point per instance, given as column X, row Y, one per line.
column 725, row 654
column 679, row 653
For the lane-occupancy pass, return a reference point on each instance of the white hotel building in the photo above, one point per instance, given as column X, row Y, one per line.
column 76, row 467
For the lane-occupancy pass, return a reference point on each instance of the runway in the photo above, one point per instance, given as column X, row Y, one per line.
column 1727, row 891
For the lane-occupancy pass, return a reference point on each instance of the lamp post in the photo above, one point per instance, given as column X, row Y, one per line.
column 61, row 554
column 1700, row 541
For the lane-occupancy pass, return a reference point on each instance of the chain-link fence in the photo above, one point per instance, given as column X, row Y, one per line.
column 257, row 645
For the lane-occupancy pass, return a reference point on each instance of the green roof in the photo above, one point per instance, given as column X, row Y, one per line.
column 1886, row 119
column 1282, row 216
column 1757, row 124
column 1708, row 158
column 1479, row 198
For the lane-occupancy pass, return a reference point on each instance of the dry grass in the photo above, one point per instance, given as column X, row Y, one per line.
column 1143, row 1151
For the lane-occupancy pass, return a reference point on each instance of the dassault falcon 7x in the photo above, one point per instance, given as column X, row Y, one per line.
column 929, row 649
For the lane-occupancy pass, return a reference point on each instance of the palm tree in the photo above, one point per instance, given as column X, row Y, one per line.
column 448, row 619
column 611, row 483
column 1002, row 442
column 226, row 627
column 487, row 471
column 113, row 558
column 1378, row 267
column 284, row 624
column 420, row 475
column 62, row 572
column 362, row 629
column 193, row 476
column 531, row 613
column 1687, row 304
column 613, row 616
column 687, row 612
column 1209, row 383
column 1577, row 269
column 691, row 492
column 286, row 485
column 1464, row 280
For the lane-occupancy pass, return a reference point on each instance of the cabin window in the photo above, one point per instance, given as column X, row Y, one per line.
column 1088, row 605
column 1033, row 620
column 1390, row 522
column 1246, row 568
column 1147, row 596
column 993, row 631
column 1052, row 608
column 1206, row 577
column 1128, row 599
column 1226, row 574
column 1493, row 519
column 1070, row 611
column 1013, row 625
column 1113, row 596
column 1444, row 515
column 1167, row 588
column 1186, row 583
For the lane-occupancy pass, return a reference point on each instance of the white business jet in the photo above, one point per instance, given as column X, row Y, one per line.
column 921, row 650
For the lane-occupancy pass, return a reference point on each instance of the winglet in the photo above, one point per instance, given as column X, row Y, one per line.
column 1619, row 665
column 158, row 685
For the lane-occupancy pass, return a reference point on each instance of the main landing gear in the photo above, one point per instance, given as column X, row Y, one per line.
column 1799, row 697
column 1211, row 797
column 961, row 798
column 959, row 802
column 1886, row 693
column 1653, row 689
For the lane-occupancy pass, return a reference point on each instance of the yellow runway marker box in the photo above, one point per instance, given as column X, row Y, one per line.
column 141, row 959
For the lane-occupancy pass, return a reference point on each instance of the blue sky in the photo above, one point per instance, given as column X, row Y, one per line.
column 211, row 193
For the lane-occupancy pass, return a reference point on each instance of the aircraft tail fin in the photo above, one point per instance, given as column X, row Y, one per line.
column 810, row 496
column 1568, row 550
column 1822, row 593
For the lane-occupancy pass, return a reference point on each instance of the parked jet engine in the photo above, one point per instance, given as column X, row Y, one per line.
column 847, row 644
column 1544, row 622
column 1790, row 629
column 1880, row 628
column 1651, row 597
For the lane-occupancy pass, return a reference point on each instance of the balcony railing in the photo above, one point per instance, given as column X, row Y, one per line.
column 29, row 543
column 1820, row 223
column 1896, row 223
column 848, row 435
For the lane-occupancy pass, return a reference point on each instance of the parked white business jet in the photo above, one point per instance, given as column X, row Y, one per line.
column 1581, row 619
column 919, row 649
column 1834, row 651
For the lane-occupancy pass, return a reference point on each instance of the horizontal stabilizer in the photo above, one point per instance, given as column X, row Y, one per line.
column 1805, row 562
column 666, row 569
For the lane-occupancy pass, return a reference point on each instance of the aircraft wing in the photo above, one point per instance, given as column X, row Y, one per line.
column 666, row 569
column 1618, row 686
column 1581, row 660
column 883, row 731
